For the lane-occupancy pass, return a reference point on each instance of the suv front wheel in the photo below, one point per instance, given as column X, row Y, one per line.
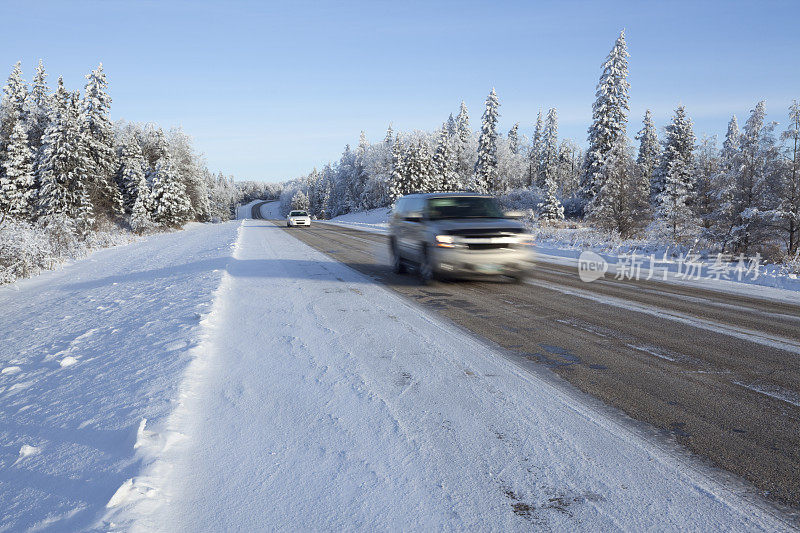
column 426, row 269
column 398, row 267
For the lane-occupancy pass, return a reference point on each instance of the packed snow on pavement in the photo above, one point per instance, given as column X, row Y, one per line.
column 185, row 382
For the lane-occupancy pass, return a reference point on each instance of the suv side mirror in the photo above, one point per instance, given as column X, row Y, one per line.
column 414, row 216
column 514, row 214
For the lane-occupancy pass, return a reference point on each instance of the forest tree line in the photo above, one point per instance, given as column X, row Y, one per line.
column 63, row 161
column 742, row 197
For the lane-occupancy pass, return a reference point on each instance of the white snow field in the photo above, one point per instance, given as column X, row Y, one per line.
column 86, row 353
column 320, row 400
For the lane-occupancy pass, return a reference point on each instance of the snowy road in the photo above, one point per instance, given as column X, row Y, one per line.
column 323, row 401
column 717, row 372
column 229, row 377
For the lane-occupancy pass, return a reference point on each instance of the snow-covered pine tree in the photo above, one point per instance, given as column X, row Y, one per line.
column 418, row 167
column 536, row 179
column 17, row 181
column 463, row 154
column 99, row 137
column 550, row 208
column 622, row 203
column 444, row 163
column 387, row 140
column 513, row 139
column 300, row 202
column 725, row 186
column 705, row 171
column 788, row 210
column 38, row 107
column 62, row 163
column 170, row 203
column 12, row 106
column 549, row 148
column 462, row 124
column 754, row 166
column 609, row 115
column 12, row 110
column 399, row 184
column 486, row 165
column 131, row 172
column 732, row 143
column 649, row 151
column 675, row 216
column 452, row 127
column 189, row 167
column 141, row 220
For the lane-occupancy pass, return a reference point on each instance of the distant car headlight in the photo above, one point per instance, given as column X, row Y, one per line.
column 445, row 241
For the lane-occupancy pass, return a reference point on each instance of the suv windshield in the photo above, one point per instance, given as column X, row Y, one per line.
column 464, row 207
column 298, row 214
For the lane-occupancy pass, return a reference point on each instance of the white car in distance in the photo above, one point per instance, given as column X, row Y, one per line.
column 298, row 218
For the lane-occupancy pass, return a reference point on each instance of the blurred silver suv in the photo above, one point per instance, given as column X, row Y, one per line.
column 458, row 235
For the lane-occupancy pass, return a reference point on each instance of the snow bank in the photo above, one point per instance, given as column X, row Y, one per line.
column 87, row 353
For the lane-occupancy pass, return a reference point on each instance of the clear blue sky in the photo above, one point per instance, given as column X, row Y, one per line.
column 269, row 90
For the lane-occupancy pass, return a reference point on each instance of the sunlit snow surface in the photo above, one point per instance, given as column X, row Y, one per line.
column 229, row 377
column 86, row 353
column 323, row 401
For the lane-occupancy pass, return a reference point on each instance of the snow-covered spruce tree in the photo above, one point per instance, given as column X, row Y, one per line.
column 141, row 219
column 399, row 184
column 418, row 167
column 676, row 220
column 12, row 106
column 513, row 139
column 99, row 137
column 570, row 159
column 463, row 153
column 444, row 163
column 189, row 167
column 62, row 162
column 705, row 172
column 17, row 181
column 621, row 205
column 169, row 201
column 788, row 210
column 452, row 127
column 535, row 155
column 486, row 165
column 131, row 171
column 549, row 150
column 300, row 202
column 754, row 167
column 550, row 208
column 389, row 138
column 649, row 151
column 609, row 115
column 38, row 107
column 724, row 215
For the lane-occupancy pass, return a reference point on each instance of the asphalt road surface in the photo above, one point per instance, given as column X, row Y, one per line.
column 718, row 372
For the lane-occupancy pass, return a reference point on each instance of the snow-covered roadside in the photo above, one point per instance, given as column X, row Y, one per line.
column 323, row 401
column 87, row 353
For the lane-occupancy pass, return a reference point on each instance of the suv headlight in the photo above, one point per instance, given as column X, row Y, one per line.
column 445, row 241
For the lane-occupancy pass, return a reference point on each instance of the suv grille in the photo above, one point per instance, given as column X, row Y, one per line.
column 491, row 246
column 484, row 232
